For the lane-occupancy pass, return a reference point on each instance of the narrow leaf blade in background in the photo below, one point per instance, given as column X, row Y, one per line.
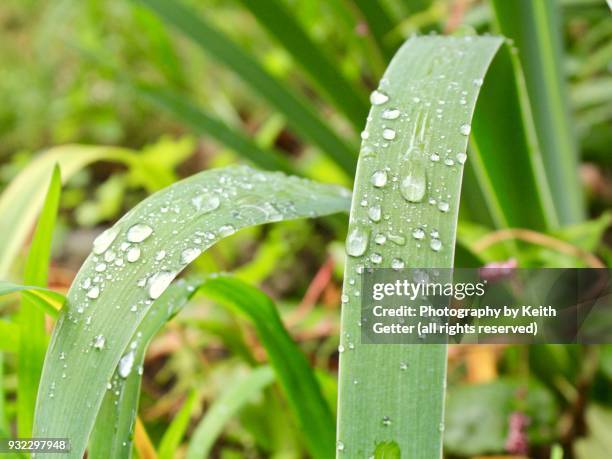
column 31, row 319
column 535, row 28
column 298, row 112
column 177, row 428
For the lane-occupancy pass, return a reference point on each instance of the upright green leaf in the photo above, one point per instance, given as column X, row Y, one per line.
column 134, row 262
column 234, row 397
column 312, row 57
column 379, row 24
column 299, row 113
column 177, row 428
column 32, row 334
column 404, row 214
column 535, row 28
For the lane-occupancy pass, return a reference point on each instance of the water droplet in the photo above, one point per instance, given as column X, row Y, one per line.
column 133, row 254
column 388, row 134
column 109, row 256
column 357, row 242
column 226, row 230
column 390, row 114
column 397, row 263
column 443, row 206
column 413, row 185
column 435, row 157
column 188, row 255
column 380, row 239
column 376, row 258
column 99, row 342
column 461, row 158
column 159, row 256
column 339, row 446
column 465, row 129
column 365, row 135
column 139, row 232
column 375, row 213
column 93, row 292
column 206, row 203
column 104, row 240
column 441, row 427
column 386, row 421
column 477, row 82
column 379, row 179
column 125, row 364
column 403, row 366
column 378, row 97
column 449, row 162
column 344, row 298
column 159, row 282
column 340, row 348
column 418, row 233
column 397, row 239
column 435, row 245
column 100, row 267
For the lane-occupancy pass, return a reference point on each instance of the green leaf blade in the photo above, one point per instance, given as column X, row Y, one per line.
column 180, row 220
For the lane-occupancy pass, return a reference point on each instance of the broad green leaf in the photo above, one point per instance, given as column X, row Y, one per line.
column 224, row 408
column 293, row 372
column 31, row 319
column 404, row 214
column 134, row 262
column 177, row 428
column 312, row 57
column 535, row 28
column 300, row 115
column 23, row 198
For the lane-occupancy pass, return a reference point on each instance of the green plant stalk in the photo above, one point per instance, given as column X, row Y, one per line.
column 31, row 318
column 535, row 28
column 391, row 397
column 109, row 299
column 176, row 430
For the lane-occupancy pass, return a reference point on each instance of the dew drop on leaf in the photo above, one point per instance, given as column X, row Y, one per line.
column 397, row 263
column 188, row 255
column 465, row 129
column 99, row 342
column 357, row 242
column 378, row 97
column 226, row 230
column 206, row 203
column 104, row 240
column 139, row 232
column 413, row 184
column 375, row 213
column 388, row 134
column 133, row 254
column 158, row 282
column 390, row 114
column 443, row 206
column 379, row 179
column 93, row 292
column 418, row 234
column 435, row 245
column 125, row 364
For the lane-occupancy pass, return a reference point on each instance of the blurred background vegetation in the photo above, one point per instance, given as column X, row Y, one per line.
column 84, row 71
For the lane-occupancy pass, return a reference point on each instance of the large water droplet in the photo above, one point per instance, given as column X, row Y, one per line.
column 465, row 129
column 375, row 213
column 159, row 282
column 104, row 240
column 390, row 114
column 378, row 97
column 413, row 184
column 125, row 364
column 435, row 245
column 139, row 232
column 133, row 254
column 188, row 255
column 357, row 242
column 206, row 203
column 379, row 179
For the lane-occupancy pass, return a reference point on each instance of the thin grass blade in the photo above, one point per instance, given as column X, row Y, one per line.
column 312, row 58
column 141, row 255
column 379, row 24
column 225, row 408
column 48, row 300
column 31, row 319
column 300, row 115
column 535, row 28
column 177, row 428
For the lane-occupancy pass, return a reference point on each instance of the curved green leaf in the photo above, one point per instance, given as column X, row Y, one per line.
column 134, row 262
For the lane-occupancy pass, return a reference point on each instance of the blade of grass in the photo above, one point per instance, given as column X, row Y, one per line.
column 49, row 301
column 312, row 57
column 9, row 337
column 379, row 24
column 225, row 408
column 292, row 369
column 299, row 113
column 91, row 334
column 23, row 198
column 31, row 319
column 203, row 123
column 391, row 397
column 177, row 428
column 535, row 28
